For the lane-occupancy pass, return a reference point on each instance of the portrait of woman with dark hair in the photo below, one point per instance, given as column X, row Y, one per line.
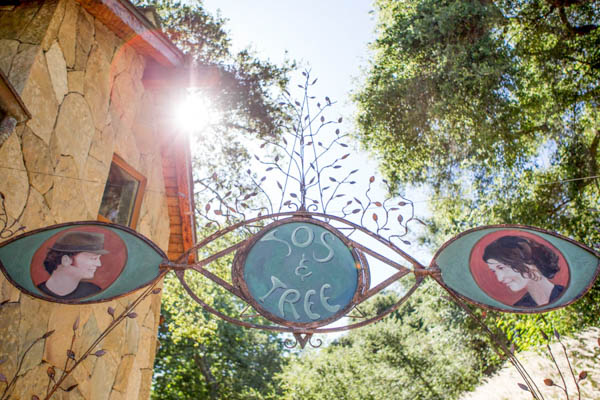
column 521, row 263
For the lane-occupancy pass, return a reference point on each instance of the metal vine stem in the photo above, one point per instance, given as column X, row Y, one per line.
column 307, row 169
column 7, row 229
column 72, row 362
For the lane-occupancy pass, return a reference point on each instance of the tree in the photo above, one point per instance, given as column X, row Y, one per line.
column 241, row 86
column 415, row 353
column 494, row 106
column 200, row 356
column 204, row 357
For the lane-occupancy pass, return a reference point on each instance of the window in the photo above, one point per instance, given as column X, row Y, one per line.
column 123, row 194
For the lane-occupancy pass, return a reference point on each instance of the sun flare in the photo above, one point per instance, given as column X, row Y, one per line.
column 195, row 112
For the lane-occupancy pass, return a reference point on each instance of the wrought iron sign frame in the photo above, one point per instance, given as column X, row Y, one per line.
column 312, row 165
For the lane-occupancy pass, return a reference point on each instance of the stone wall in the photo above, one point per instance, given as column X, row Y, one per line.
column 83, row 87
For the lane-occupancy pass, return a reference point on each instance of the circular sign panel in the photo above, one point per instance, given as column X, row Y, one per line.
column 299, row 273
column 515, row 268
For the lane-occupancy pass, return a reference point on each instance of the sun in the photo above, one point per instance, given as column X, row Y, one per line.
column 195, row 113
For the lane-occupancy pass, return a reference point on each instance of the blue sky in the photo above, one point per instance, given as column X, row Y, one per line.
column 330, row 37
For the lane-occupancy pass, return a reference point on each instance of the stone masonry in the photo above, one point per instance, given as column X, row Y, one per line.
column 83, row 87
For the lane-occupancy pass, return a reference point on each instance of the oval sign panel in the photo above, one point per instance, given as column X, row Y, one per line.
column 81, row 262
column 299, row 273
column 516, row 268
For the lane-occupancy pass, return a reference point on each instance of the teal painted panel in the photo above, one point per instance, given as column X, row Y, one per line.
column 81, row 262
column 301, row 272
column 517, row 269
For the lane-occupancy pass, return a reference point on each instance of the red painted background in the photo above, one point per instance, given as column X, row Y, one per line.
column 486, row 279
column 112, row 263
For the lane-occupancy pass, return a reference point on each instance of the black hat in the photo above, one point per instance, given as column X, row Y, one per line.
column 75, row 242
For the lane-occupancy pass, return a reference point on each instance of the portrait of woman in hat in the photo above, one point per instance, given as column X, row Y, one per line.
column 71, row 261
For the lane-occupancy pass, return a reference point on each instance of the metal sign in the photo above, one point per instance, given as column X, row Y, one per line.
column 516, row 268
column 299, row 272
column 80, row 262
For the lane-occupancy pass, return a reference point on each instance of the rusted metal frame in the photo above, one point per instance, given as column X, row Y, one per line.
column 409, row 258
column 273, row 328
column 239, row 281
column 436, row 274
column 83, row 223
column 219, row 281
column 497, row 345
column 383, row 285
column 380, row 257
column 375, row 236
column 375, row 318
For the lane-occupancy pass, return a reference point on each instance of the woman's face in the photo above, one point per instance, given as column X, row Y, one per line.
column 505, row 274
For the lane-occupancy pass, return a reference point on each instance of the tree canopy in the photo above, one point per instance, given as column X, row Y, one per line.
column 494, row 106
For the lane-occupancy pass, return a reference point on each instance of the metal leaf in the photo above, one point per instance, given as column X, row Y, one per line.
column 356, row 211
column 71, row 387
column 71, row 354
column 524, row 387
column 218, row 212
column 3, row 378
column 207, row 208
column 279, row 186
column 294, row 195
column 583, row 375
column 372, row 179
column 548, row 382
column 406, row 242
column 340, row 120
column 111, row 311
column 76, row 323
column 332, row 179
column 45, row 335
column 51, row 372
column 132, row 315
column 375, row 217
column 544, row 335
column 402, row 204
column 322, row 118
column 156, row 291
column 345, row 156
column 400, row 218
column 343, row 145
column 34, row 397
column 315, row 81
column 327, row 100
column 378, row 204
column 556, row 334
column 100, row 353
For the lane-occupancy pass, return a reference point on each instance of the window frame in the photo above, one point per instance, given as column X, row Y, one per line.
column 139, row 196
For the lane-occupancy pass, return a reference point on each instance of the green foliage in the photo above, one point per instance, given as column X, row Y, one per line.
column 420, row 351
column 494, row 106
column 204, row 357
column 241, row 86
